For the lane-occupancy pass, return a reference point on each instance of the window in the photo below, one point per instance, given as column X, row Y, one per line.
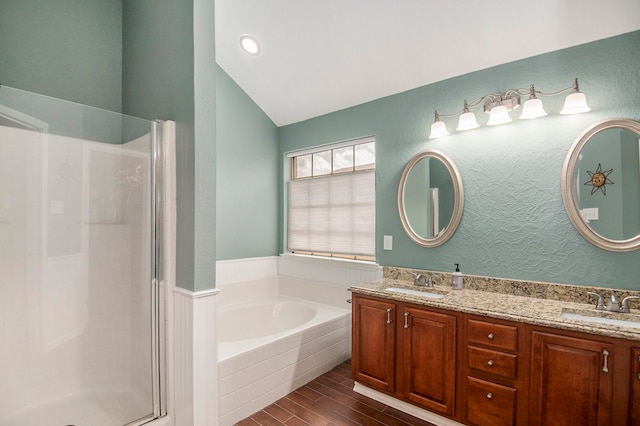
column 331, row 202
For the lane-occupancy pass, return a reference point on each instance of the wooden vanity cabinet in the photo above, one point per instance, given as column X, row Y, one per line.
column 423, row 341
column 571, row 380
column 634, row 399
column 494, row 353
column 429, row 359
column 373, row 350
column 483, row 371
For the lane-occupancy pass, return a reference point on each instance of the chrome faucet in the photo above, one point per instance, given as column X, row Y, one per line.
column 625, row 303
column 422, row 281
column 613, row 304
column 600, row 303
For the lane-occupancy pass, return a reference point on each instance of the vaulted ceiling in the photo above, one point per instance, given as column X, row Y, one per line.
column 320, row 56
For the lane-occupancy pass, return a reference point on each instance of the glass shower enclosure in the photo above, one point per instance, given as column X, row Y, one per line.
column 80, row 304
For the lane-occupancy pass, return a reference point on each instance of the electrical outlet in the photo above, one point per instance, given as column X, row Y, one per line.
column 387, row 242
column 589, row 214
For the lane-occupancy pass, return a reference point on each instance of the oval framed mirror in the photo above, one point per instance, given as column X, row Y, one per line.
column 430, row 198
column 601, row 184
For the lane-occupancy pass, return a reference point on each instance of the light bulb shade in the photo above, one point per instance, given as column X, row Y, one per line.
column 575, row 104
column 532, row 109
column 498, row 115
column 467, row 121
column 438, row 129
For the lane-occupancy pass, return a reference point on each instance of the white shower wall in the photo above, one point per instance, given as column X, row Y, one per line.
column 74, row 270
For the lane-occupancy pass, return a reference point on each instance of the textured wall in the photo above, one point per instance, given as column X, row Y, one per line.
column 514, row 223
column 247, row 178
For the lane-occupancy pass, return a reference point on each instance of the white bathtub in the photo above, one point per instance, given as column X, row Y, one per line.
column 269, row 343
column 255, row 320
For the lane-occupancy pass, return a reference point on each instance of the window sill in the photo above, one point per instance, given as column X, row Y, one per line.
column 320, row 260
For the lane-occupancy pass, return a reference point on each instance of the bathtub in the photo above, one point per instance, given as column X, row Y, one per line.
column 270, row 343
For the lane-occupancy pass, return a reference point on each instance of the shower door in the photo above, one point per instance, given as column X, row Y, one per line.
column 79, row 300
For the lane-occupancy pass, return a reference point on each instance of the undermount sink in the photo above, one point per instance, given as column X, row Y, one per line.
column 420, row 293
column 633, row 322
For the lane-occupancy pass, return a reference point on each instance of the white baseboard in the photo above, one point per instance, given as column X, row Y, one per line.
column 404, row 406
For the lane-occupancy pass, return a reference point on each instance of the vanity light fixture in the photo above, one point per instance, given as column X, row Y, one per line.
column 499, row 105
column 250, row 45
column 438, row 128
column 467, row 119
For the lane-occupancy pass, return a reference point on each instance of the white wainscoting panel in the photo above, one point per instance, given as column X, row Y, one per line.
column 195, row 358
column 251, row 269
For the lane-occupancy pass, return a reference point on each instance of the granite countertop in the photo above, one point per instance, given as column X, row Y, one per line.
column 530, row 310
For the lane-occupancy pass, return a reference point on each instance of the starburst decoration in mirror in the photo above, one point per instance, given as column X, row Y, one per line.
column 599, row 180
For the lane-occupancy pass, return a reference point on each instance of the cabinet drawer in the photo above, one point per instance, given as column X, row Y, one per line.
column 492, row 335
column 498, row 363
column 490, row 404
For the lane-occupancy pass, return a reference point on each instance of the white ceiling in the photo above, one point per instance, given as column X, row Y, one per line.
column 320, row 56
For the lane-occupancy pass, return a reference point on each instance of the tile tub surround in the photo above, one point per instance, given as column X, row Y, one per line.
column 521, row 301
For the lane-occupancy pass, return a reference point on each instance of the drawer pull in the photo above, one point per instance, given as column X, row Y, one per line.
column 389, row 316
column 406, row 320
column 489, row 395
column 638, row 376
column 490, row 336
column 605, row 367
column 490, row 363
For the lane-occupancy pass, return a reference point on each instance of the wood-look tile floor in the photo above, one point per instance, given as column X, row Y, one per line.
column 330, row 400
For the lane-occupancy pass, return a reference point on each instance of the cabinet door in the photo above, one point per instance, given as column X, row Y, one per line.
column 429, row 359
column 634, row 407
column 570, row 381
column 374, row 342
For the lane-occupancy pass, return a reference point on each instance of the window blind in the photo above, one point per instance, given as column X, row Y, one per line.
column 333, row 214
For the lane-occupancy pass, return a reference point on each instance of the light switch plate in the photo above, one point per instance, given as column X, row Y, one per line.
column 387, row 242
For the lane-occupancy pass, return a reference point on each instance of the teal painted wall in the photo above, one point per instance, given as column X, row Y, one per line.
column 169, row 74
column 247, row 177
column 158, row 83
column 67, row 49
column 205, row 121
column 153, row 59
column 514, row 223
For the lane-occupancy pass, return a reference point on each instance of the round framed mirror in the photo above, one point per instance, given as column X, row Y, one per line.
column 601, row 184
column 430, row 198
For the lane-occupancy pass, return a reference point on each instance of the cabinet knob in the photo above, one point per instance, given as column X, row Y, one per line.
column 489, row 395
column 490, row 336
column 490, row 362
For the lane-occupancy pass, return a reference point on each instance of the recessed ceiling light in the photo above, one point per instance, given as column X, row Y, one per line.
column 250, row 45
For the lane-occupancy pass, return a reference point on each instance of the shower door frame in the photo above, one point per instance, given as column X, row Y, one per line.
column 158, row 282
